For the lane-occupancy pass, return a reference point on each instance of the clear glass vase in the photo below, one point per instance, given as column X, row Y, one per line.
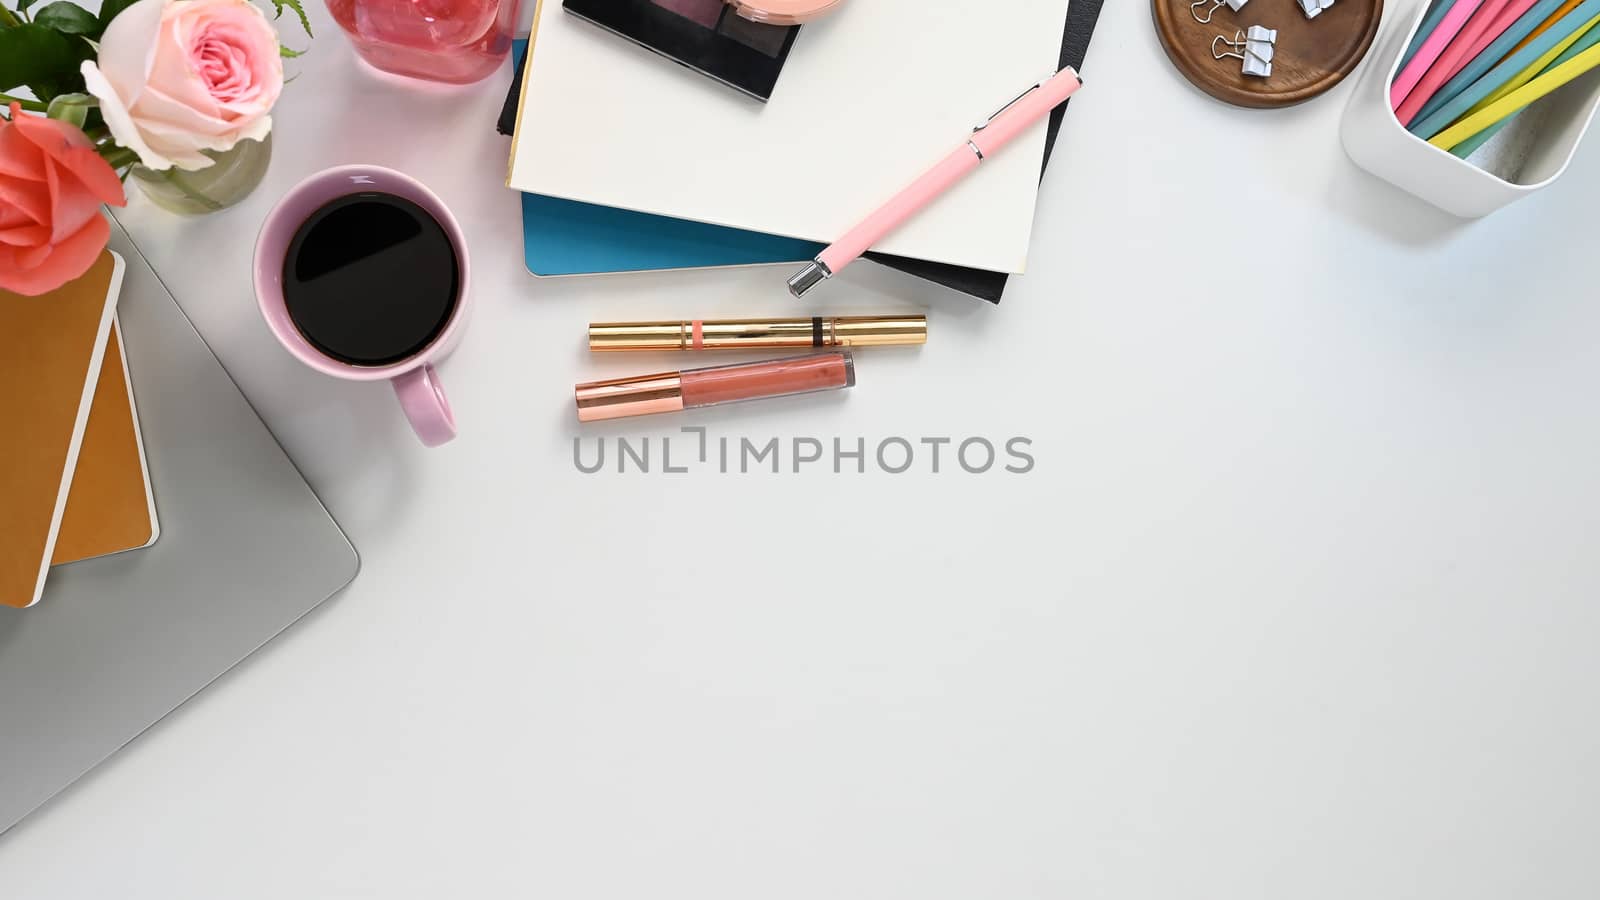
column 453, row 41
column 235, row 174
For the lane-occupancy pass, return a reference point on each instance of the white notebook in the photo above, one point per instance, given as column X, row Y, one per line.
column 871, row 96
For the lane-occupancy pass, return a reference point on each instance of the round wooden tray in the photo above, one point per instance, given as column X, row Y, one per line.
column 1312, row 55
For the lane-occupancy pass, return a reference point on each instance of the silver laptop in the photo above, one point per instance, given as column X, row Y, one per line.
column 245, row 549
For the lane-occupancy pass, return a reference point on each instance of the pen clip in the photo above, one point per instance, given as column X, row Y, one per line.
column 1014, row 101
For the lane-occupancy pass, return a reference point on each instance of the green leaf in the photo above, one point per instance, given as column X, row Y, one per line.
column 110, row 9
column 22, row 5
column 299, row 11
column 71, row 108
column 68, row 18
column 40, row 57
column 286, row 53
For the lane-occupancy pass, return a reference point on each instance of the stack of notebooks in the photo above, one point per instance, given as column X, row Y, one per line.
column 630, row 163
column 72, row 464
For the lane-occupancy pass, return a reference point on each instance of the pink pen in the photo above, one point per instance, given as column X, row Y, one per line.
column 1451, row 59
column 1460, row 11
column 1508, row 17
column 1012, row 120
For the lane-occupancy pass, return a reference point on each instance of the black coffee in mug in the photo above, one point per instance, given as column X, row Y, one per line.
column 371, row 279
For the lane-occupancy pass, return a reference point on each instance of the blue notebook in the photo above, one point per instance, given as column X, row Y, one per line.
column 565, row 237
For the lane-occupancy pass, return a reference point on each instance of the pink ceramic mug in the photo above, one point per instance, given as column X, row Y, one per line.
column 414, row 379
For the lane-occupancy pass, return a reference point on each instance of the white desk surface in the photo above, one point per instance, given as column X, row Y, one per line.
column 1298, row 602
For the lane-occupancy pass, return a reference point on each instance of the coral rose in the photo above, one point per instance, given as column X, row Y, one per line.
column 51, row 186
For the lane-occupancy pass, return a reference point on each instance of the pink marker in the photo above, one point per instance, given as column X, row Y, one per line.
column 987, row 139
column 1507, row 18
column 1451, row 60
column 1430, row 50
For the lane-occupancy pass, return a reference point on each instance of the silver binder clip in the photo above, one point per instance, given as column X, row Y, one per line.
column 1314, row 8
column 1255, row 47
column 1214, row 5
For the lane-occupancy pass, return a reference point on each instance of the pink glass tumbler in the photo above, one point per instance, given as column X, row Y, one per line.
column 455, row 41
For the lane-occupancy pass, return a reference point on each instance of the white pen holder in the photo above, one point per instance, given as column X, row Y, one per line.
column 1527, row 155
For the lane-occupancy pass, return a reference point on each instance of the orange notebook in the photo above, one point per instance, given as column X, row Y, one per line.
column 51, row 351
column 110, row 507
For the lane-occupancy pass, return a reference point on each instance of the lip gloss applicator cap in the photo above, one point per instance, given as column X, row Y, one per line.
column 760, row 334
column 622, row 398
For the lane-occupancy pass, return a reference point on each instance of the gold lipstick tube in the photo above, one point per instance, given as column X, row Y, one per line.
column 760, row 334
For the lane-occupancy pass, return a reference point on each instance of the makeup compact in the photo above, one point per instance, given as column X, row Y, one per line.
column 737, row 44
column 782, row 12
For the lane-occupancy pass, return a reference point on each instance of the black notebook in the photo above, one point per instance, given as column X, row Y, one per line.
column 983, row 284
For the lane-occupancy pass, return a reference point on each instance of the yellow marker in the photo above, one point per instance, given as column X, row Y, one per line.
column 1547, row 24
column 1539, row 65
column 1517, row 99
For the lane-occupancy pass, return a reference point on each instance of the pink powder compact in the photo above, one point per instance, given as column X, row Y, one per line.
column 782, row 12
column 708, row 36
column 741, row 43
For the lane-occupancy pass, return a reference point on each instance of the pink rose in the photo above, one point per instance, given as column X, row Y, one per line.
column 51, row 186
column 179, row 76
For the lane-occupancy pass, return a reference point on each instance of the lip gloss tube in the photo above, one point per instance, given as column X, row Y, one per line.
column 760, row 334
column 643, row 395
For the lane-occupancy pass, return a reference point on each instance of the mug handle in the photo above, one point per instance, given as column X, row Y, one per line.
column 423, row 401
